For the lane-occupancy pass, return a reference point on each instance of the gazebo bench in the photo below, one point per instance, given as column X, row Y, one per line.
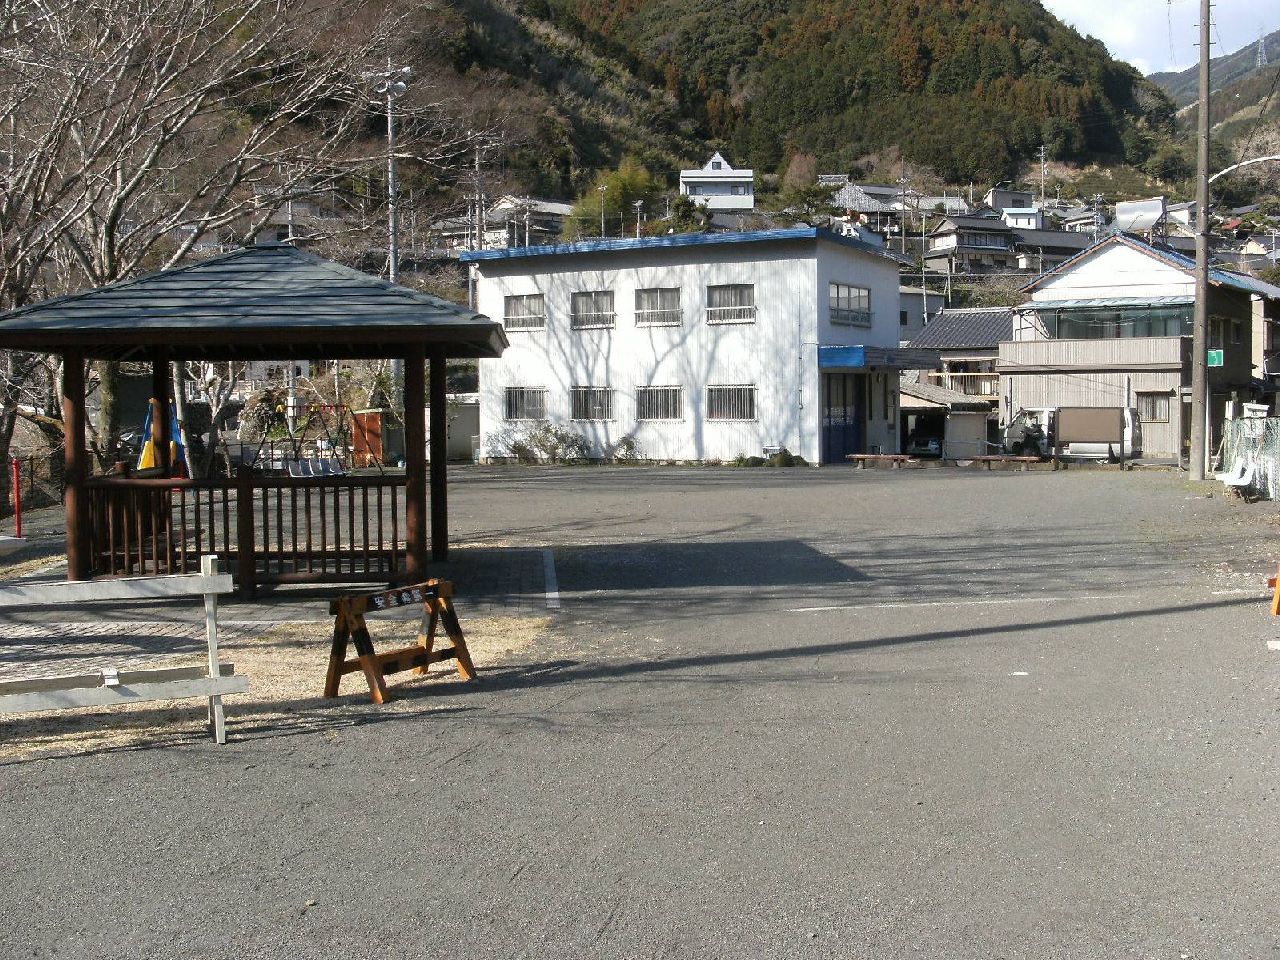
column 115, row 685
column 895, row 460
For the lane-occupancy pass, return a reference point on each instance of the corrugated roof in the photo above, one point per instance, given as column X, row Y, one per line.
column 931, row 393
column 964, row 329
column 253, row 298
column 672, row 241
column 1108, row 302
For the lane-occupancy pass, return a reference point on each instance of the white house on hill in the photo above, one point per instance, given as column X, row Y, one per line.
column 719, row 187
column 696, row 346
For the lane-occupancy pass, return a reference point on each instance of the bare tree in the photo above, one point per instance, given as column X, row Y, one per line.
column 141, row 132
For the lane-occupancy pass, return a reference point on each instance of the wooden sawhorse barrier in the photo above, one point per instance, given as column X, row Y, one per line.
column 436, row 597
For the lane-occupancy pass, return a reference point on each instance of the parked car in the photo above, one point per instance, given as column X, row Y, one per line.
column 924, row 447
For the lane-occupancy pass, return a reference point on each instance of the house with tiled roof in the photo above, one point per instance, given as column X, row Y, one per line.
column 967, row 342
column 1111, row 327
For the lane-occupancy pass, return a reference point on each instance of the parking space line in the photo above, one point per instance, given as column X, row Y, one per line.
column 549, row 575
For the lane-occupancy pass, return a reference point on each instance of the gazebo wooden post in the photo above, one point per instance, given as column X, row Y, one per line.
column 439, row 459
column 161, row 388
column 75, row 472
column 415, row 465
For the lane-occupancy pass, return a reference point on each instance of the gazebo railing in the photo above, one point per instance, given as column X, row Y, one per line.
column 268, row 530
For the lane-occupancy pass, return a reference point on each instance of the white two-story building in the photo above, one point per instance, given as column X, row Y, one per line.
column 719, row 187
column 696, row 346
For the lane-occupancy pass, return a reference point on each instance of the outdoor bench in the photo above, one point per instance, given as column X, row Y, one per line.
column 115, row 685
column 896, row 460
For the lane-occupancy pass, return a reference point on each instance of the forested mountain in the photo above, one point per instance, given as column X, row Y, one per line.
column 968, row 87
column 1184, row 85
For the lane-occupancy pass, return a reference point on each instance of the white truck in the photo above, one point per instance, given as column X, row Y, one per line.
column 1032, row 431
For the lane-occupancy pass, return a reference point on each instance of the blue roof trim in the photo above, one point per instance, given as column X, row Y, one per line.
column 841, row 357
column 672, row 241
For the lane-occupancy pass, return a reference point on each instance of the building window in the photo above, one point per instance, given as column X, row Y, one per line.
column 731, row 402
column 739, row 191
column 903, row 319
column 525, row 403
column 660, row 403
column 731, row 303
column 715, row 164
column 590, row 403
column 850, row 305
column 1153, row 407
column 528, row 312
column 592, row 308
column 658, row 307
column 1237, row 335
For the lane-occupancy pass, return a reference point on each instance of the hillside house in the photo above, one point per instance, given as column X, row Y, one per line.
column 971, row 245
column 719, row 187
column 1001, row 198
column 696, row 346
column 1112, row 328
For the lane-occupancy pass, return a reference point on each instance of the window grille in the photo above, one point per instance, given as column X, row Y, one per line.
column 592, row 308
column 731, row 402
column 1153, row 407
column 528, row 312
column 526, row 403
column 590, row 403
column 658, row 307
column 731, row 303
column 660, row 403
column 850, row 305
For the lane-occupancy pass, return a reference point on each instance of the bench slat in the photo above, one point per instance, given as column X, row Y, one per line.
column 72, row 681
column 130, row 588
column 135, row 693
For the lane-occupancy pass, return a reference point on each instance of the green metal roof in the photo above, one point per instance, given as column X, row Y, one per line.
column 266, row 301
column 1104, row 303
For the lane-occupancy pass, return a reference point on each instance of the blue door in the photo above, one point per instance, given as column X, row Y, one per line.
column 843, row 414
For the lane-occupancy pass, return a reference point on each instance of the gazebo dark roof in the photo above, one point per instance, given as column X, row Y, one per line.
column 270, row 301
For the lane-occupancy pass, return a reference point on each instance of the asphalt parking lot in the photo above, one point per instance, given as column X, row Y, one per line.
column 780, row 714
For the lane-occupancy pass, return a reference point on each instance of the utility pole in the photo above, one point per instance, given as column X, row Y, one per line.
column 391, row 85
column 604, row 190
column 1044, row 172
column 638, row 204
column 1200, row 321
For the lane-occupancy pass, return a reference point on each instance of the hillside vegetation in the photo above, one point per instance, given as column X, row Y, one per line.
column 970, row 88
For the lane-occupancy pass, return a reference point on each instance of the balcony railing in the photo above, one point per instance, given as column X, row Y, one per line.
column 658, row 318
column 852, row 318
column 971, row 384
column 745, row 314
column 595, row 319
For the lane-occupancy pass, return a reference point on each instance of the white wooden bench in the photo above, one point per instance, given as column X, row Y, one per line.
column 110, row 686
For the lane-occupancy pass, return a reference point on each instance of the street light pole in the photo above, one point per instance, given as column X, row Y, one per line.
column 390, row 84
column 604, row 189
column 1200, row 321
column 638, row 204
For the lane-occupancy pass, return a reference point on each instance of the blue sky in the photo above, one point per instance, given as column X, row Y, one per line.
column 1139, row 30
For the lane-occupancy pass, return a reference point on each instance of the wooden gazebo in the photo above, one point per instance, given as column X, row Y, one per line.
column 267, row 302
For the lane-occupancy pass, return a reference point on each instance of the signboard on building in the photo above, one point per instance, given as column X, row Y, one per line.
column 1215, row 358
